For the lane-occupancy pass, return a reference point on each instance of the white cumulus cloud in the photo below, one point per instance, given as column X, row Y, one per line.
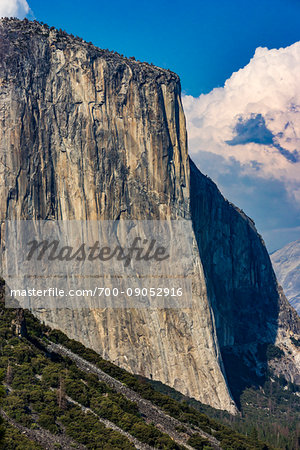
column 254, row 119
column 14, row 8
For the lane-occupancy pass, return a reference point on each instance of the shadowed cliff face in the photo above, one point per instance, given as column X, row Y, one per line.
column 87, row 134
column 236, row 266
column 250, row 310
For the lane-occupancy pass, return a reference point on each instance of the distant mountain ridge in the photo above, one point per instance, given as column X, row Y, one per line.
column 286, row 263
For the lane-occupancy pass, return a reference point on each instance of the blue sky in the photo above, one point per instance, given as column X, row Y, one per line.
column 202, row 41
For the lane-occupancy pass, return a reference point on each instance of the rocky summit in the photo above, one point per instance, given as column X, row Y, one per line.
column 87, row 134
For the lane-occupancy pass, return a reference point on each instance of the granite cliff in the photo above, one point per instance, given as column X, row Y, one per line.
column 286, row 263
column 89, row 134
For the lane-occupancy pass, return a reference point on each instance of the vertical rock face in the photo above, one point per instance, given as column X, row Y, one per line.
column 88, row 131
column 236, row 266
column 87, row 134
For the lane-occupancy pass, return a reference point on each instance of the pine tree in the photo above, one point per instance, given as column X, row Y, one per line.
column 2, row 394
column 253, row 434
column 61, row 394
column 9, row 374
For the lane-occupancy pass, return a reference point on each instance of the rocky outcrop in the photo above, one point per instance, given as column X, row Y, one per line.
column 18, row 324
column 87, row 134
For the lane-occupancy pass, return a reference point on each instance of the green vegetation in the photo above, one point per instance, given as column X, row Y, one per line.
column 198, row 442
column 15, row 440
column 36, row 400
column 273, row 352
column 295, row 341
column 273, row 410
column 2, row 395
column 40, row 385
column 229, row 438
column 270, row 412
column 33, row 402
